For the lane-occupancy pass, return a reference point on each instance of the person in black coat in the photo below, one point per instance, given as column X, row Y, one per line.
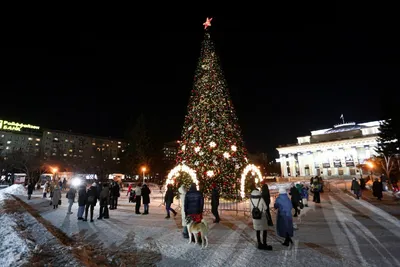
column 377, row 189
column 91, row 200
column 146, row 198
column 194, row 203
column 215, row 202
column 168, row 200
column 295, row 199
column 267, row 199
column 30, row 189
column 81, row 201
column 114, row 195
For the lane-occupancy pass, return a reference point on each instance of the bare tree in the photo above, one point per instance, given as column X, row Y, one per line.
column 30, row 164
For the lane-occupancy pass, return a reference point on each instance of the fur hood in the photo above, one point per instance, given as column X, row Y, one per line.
column 182, row 190
column 255, row 193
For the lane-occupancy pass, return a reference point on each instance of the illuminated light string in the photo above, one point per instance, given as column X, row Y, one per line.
column 249, row 168
column 181, row 168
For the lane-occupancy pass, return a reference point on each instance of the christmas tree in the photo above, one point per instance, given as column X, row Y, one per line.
column 211, row 141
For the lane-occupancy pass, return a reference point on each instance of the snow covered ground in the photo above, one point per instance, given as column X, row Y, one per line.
column 13, row 248
column 23, row 239
column 341, row 231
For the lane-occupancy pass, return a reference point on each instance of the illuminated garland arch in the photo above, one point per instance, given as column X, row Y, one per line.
column 181, row 168
column 249, row 168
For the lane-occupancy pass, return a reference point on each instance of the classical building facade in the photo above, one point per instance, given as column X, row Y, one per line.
column 335, row 151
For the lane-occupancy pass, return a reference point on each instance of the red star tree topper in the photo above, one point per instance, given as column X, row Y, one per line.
column 207, row 23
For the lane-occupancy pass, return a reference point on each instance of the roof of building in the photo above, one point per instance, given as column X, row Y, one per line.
column 345, row 128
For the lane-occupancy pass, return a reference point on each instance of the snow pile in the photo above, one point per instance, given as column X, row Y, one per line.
column 13, row 249
column 15, row 189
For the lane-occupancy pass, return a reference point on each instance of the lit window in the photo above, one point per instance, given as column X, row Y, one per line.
column 117, row 158
column 48, row 132
column 30, row 138
column 38, row 139
column 70, row 150
column 66, row 140
column 36, row 144
column 8, row 147
column 122, row 150
column 119, row 142
column 65, row 155
column 2, row 135
column 8, row 142
column 93, row 144
column 113, row 158
column 55, row 139
column 119, row 146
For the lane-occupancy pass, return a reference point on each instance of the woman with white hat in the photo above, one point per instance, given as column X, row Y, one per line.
column 284, row 220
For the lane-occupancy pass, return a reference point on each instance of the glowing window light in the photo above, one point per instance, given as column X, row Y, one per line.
column 249, row 168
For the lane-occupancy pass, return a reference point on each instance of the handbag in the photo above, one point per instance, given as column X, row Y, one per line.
column 59, row 202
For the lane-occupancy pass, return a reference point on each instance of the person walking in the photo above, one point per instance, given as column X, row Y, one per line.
column 260, row 221
column 182, row 195
column 377, row 189
column 284, row 219
column 30, row 189
column 45, row 189
column 91, row 200
column 294, row 192
column 355, row 187
column 138, row 198
column 115, row 194
column 215, row 202
column 146, row 198
column 56, row 197
column 71, row 198
column 104, row 198
column 168, row 200
column 82, row 196
column 129, row 189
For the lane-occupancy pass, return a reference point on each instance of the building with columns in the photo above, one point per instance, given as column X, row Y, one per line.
column 330, row 152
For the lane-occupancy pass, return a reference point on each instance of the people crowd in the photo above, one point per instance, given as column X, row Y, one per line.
column 288, row 204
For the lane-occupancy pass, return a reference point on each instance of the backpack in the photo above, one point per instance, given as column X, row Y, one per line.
column 256, row 212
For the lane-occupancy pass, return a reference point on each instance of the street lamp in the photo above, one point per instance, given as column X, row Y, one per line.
column 143, row 170
column 54, row 171
column 370, row 166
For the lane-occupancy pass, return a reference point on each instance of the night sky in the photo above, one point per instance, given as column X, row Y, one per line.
column 289, row 71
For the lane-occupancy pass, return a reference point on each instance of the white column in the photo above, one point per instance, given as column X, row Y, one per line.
column 283, row 166
column 301, row 164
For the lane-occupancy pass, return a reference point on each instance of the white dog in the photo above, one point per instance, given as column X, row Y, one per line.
column 195, row 228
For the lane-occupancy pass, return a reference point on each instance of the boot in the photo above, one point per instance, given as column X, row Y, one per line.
column 167, row 217
column 265, row 246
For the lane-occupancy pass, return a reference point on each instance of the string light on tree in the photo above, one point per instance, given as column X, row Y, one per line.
column 255, row 171
column 211, row 125
column 175, row 172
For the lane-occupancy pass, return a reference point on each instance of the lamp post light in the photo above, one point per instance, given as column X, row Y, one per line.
column 371, row 167
column 54, row 171
column 143, row 170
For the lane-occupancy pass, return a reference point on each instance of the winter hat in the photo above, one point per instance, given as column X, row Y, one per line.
column 282, row 190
